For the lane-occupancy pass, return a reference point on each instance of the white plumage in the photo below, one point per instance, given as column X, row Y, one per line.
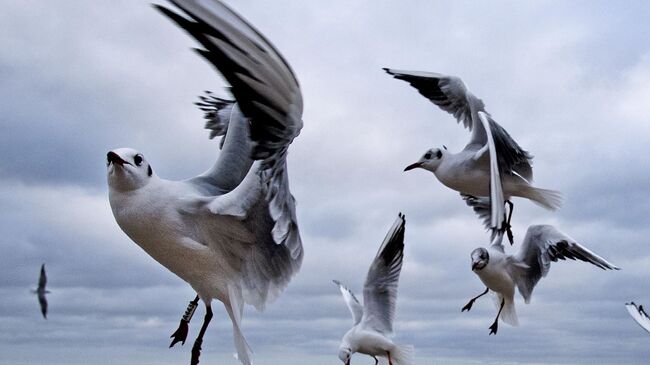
column 231, row 232
column 373, row 321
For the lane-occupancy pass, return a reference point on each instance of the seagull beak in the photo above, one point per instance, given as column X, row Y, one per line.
column 114, row 158
column 474, row 265
column 413, row 166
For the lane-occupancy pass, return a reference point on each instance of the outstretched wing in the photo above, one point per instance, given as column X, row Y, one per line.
column 267, row 92
column 42, row 300
column 639, row 315
column 263, row 83
column 451, row 95
column 42, row 280
column 542, row 245
column 356, row 309
column 248, row 211
column 380, row 288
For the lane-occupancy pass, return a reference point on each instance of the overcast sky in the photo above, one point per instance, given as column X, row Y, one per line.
column 570, row 81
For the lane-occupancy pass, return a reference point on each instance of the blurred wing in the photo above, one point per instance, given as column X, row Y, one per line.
column 451, row 95
column 42, row 280
column 262, row 82
column 42, row 300
column 638, row 315
column 542, row 245
column 356, row 309
column 380, row 288
column 268, row 95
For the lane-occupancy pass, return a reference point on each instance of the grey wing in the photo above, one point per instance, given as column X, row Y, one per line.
column 542, row 245
column 262, row 82
column 639, row 315
column 42, row 280
column 482, row 207
column 380, row 288
column 42, row 300
column 356, row 309
column 257, row 207
column 451, row 95
column 268, row 95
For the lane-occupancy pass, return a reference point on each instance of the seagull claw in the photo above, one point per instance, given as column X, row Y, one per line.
column 493, row 328
column 468, row 306
column 180, row 335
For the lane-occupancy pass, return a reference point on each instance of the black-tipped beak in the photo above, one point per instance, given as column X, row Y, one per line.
column 474, row 265
column 413, row 165
column 114, row 158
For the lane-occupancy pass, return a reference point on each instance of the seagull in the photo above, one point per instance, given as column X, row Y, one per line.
column 639, row 315
column 373, row 321
column 41, row 291
column 231, row 232
column 501, row 273
column 471, row 172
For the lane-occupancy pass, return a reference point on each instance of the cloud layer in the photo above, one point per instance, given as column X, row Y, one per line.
column 569, row 81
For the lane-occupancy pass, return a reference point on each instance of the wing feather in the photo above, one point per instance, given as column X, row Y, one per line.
column 380, row 288
column 356, row 309
column 542, row 245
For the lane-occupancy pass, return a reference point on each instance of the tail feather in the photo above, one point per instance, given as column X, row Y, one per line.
column 402, row 354
column 549, row 199
column 235, row 310
column 508, row 313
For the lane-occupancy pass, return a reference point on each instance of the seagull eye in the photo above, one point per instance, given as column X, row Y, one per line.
column 427, row 155
column 138, row 159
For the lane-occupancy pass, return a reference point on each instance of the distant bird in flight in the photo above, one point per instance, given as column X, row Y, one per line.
column 639, row 315
column 231, row 232
column 41, row 291
column 472, row 171
column 373, row 321
column 501, row 272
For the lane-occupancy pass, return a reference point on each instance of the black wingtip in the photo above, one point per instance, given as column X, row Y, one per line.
column 336, row 282
column 388, row 71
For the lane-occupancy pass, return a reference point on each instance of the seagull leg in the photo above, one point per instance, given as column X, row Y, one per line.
column 196, row 348
column 180, row 335
column 469, row 304
column 507, row 225
column 495, row 326
column 376, row 360
column 389, row 360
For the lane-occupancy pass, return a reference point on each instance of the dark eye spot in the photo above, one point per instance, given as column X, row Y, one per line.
column 427, row 155
column 439, row 154
column 138, row 160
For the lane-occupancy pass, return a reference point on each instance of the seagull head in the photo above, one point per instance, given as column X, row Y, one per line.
column 480, row 258
column 430, row 160
column 127, row 169
column 345, row 354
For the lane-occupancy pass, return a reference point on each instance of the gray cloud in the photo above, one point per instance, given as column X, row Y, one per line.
column 570, row 85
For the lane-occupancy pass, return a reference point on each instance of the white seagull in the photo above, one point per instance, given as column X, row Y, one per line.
column 639, row 315
column 231, row 232
column 472, row 171
column 373, row 322
column 501, row 272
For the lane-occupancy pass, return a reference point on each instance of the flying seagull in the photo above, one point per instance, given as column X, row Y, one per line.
column 373, row 321
column 41, row 291
column 231, row 232
column 501, row 272
column 471, row 171
column 639, row 315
